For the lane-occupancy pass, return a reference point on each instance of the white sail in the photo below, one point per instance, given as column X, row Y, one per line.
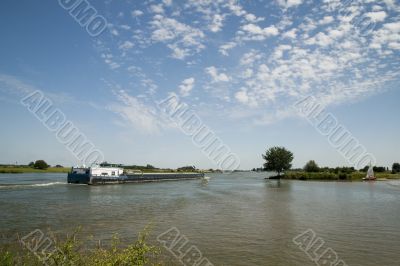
column 370, row 173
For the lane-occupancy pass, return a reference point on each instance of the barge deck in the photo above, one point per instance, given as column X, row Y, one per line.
column 101, row 175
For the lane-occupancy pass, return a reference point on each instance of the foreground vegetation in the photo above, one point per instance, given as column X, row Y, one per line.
column 72, row 252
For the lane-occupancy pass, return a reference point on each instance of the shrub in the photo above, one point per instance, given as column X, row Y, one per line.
column 7, row 259
column 396, row 168
column 311, row 167
column 41, row 164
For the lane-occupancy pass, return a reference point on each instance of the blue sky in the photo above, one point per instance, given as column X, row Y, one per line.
column 240, row 65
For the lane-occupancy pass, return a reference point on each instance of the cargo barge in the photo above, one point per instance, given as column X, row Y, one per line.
column 114, row 175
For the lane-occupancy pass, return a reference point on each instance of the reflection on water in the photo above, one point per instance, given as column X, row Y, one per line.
column 235, row 219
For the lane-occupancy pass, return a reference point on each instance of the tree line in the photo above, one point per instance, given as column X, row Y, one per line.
column 279, row 159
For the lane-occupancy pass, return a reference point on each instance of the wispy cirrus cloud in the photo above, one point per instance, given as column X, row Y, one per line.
column 137, row 114
column 17, row 88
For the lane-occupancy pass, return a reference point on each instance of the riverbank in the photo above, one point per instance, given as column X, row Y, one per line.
column 354, row 176
column 21, row 170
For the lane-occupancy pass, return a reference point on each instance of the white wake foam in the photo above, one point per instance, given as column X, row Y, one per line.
column 11, row 186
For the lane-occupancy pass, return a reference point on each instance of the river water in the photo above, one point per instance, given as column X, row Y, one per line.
column 233, row 219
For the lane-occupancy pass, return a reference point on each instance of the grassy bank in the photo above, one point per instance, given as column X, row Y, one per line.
column 355, row 176
column 71, row 251
column 18, row 170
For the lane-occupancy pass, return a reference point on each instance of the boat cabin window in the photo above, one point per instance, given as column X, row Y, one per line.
column 104, row 173
column 113, row 173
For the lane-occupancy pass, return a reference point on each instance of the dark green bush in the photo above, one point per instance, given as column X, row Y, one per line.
column 311, row 167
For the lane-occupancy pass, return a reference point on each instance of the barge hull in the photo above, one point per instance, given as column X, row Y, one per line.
column 78, row 178
column 142, row 178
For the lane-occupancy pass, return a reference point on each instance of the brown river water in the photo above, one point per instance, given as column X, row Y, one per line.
column 232, row 219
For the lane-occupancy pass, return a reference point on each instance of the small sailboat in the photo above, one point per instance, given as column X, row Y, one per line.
column 370, row 174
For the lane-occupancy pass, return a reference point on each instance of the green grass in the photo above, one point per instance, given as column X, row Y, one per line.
column 73, row 252
column 387, row 175
column 18, row 170
column 355, row 176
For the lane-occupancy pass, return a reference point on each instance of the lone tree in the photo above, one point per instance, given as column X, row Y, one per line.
column 396, row 168
column 311, row 167
column 41, row 164
column 277, row 159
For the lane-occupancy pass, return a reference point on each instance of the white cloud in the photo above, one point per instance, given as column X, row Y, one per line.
column 250, row 57
column 320, row 52
column 290, row 34
column 178, row 52
column 109, row 60
column 157, row 9
column 114, row 32
column 217, row 77
column 377, row 16
column 125, row 27
column 320, row 39
column 394, row 45
column 137, row 13
column 241, row 96
column 289, row 3
column 335, row 34
column 247, row 73
column 391, row 4
column 252, row 18
column 182, row 39
column 256, row 33
column 236, row 8
column 223, row 49
column 326, row 20
column 245, row 97
column 186, row 86
column 393, row 27
column 167, row 2
column 278, row 53
column 112, row 64
column 388, row 36
column 126, row 45
column 217, row 23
